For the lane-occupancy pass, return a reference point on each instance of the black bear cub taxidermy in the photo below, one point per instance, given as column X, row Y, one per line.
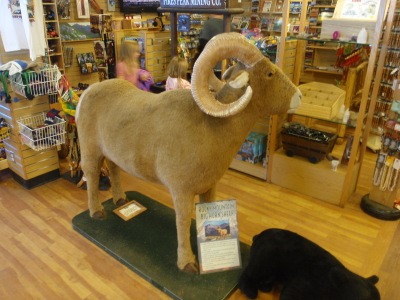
column 303, row 269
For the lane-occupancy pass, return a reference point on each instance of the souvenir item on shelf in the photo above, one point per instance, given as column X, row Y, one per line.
column 86, row 62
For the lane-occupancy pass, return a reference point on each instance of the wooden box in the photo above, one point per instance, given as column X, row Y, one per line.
column 126, row 24
column 314, row 150
column 320, row 100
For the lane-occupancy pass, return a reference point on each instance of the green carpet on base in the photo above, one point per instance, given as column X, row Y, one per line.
column 147, row 244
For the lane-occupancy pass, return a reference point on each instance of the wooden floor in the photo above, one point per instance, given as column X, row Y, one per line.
column 42, row 257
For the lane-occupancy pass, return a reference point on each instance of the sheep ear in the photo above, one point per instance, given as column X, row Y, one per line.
column 255, row 237
column 228, row 73
column 373, row 279
column 239, row 80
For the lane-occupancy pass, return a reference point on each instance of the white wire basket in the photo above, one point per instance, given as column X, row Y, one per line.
column 30, row 83
column 39, row 136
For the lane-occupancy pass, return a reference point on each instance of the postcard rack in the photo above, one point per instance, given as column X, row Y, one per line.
column 39, row 136
column 32, row 83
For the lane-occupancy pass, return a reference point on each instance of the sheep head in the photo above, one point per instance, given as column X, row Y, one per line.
column 266, row 82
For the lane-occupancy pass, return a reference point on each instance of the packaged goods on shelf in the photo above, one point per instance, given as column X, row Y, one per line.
column 42, row 131
column 253, row 148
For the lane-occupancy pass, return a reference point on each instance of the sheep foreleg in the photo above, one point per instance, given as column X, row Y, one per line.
column 119, row 197
column 183, row 209
column 208, row 196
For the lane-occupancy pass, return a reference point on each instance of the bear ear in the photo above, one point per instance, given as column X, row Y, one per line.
column 373, row 279
column 255, row 237
column 337, row 277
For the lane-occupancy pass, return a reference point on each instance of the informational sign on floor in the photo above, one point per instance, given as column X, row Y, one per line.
column 129, row 210
column 217, row 236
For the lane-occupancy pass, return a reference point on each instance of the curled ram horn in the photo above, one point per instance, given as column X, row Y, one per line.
column 222, row 46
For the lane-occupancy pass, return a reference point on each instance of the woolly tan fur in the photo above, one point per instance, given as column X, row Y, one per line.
column 167, row 139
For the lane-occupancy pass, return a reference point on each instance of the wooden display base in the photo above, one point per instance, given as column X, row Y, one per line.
column 315, row 180
column 36, row 181
column 147, row 245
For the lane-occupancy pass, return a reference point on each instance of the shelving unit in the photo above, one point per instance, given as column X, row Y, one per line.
column 54, row 51
column 3, row 164
column 385, row 194
column 188, row 41
column 157, row 49
column 317, row 59
column 318, row 180
column 54, row 47
column 316, row 15
column 30, row 168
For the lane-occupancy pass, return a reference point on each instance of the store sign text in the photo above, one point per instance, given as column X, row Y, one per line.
column 193, row 3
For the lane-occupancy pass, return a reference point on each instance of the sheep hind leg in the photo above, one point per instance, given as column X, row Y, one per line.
column 91, row 169
column 183, row 209
column 119, row 197
column 208, row 196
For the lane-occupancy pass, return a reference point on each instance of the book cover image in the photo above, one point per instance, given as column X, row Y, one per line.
column 217, row 236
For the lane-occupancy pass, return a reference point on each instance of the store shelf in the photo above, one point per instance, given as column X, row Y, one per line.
column 335, row 120
column 256, row 170
column 323, row 71
column 3, row 164
column 321, row 182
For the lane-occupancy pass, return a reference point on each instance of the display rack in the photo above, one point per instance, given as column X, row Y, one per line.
column 30, row 168
column 318, row 180
column 54, row 51
column 54, row 55
column 384, row 75
column 156, row 52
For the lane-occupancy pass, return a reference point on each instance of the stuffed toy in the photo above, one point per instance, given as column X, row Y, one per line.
column 304, row 269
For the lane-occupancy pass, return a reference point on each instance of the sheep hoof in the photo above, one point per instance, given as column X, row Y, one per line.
column 191, row 268
column 121, row 201
column 99, row 215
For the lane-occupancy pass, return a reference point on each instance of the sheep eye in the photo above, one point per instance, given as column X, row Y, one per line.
column 270, row 74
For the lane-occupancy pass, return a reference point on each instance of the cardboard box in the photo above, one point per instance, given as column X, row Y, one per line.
column 126, row 24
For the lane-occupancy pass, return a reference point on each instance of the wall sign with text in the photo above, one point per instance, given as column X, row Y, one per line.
column 192, row 3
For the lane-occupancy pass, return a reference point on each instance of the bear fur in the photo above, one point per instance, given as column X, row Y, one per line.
column 303, row 269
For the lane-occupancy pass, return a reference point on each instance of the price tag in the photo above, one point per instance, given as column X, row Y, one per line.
column 389, row 161
column 396, row 164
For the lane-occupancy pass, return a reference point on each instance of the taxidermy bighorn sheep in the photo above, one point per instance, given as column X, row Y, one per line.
column 183, row 139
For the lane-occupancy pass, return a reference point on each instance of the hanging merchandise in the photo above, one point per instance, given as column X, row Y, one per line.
column 4, row 94
column 100, row 54
column 16, row 11
column 26, row 31
column 36, row 80
column 63, row 9
column 86, row 63
column 68, row 55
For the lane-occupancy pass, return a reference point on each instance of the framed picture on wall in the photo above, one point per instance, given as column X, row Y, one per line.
column 82, row 8
column 77, row 32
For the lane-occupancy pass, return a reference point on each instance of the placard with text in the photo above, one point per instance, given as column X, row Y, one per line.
column 217, row 236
